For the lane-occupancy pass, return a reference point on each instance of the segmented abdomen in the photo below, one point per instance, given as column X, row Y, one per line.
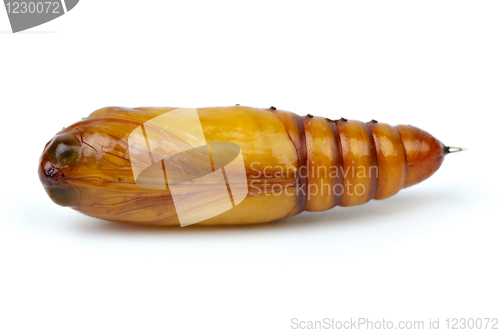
column 350, row 162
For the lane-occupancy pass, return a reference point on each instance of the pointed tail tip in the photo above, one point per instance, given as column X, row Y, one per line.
column 450, row 150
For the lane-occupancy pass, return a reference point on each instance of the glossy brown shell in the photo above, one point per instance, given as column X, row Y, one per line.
column 87, row 165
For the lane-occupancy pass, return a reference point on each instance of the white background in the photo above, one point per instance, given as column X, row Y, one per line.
column 432, row 251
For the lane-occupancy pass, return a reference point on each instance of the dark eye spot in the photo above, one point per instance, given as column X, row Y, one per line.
column 64, row 149
column 63, row 195
column 67, row 155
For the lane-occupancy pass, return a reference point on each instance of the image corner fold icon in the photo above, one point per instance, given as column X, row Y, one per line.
column 26, row 15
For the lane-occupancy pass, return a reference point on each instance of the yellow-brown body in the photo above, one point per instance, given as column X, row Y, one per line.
column 292, row 163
